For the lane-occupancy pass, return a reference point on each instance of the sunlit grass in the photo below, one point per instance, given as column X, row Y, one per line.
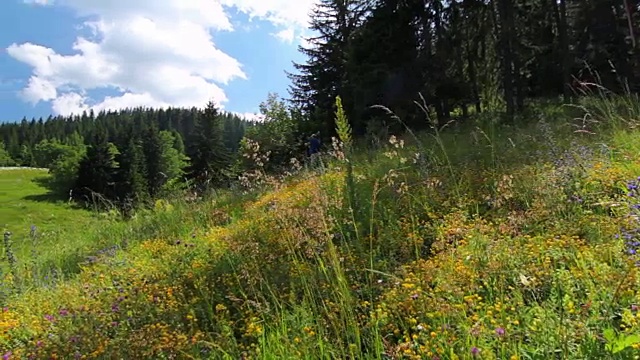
column 480, row 241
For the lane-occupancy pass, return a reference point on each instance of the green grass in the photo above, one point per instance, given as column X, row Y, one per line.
column 497, row 242
column 67, row 235
column 24, row 201
column 61, row 229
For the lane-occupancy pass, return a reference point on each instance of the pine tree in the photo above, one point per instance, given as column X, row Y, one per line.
column 132, row 175
column 152, row 147
column 322, row 78
column 98, row 170
column 210, row 159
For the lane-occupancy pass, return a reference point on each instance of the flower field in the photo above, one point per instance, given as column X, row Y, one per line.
column 480, row 242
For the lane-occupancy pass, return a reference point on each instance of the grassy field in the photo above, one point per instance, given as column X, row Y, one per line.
column 51, row 238
column 58, row 228
column 481, row 242
column 23, row 202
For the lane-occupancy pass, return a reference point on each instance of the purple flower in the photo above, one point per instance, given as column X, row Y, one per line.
column 634, row 307
column 63, row 312
column 475, row 351
column 49, row 317
column 7, row 355
column 500, row 331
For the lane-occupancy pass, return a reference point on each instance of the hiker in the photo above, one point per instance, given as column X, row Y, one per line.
column 314, row 144
column 314, row 148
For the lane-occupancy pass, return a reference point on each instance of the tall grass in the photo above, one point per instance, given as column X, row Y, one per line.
column 479, row 241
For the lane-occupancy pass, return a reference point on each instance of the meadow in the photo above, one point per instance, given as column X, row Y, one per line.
column 477, row 241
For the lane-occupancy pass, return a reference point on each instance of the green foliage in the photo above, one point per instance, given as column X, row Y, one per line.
column 133, row 187
column 210, row 159
column 174, row 161
column 616, row 343
column 277, row 132
column 97, row 172
column 62, row 160
column 59, row 144
column 153, row 148
column 464, row 57
column 342, row 124
column 5, row 157
column 512, row 255
column 26, row 156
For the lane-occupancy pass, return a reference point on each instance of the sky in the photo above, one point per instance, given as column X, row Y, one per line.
column 60, row 57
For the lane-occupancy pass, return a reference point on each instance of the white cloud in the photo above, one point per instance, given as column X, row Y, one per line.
column 250, row 116
column 38, row 2
column 281, row 12
column 156, row 53
column 286, row 35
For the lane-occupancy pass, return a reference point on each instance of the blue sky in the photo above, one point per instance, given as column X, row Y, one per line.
column 65, row 56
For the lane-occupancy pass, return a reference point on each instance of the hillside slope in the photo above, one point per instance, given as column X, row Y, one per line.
column 492, row 243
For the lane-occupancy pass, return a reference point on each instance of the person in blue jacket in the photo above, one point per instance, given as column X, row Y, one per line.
column 314, row 149
column 314, row 144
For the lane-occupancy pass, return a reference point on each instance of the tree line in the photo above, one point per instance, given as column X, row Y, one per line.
column 462, row 56
column 129, row 157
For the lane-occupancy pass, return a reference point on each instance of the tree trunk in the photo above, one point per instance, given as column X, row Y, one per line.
column 506, row 56
column 629, row 12
column 560, row 13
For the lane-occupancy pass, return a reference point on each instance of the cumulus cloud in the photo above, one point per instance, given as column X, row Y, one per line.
column 250, row 116
column 286, row 35
column 155, row 53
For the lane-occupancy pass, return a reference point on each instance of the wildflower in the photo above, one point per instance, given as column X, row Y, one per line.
column 475, row 351
column 7, row 355
column 49, row 317
column 500, row 331
column 63, row 312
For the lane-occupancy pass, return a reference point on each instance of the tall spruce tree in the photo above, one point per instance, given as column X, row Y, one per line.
column 210, row 159
column 98, row 170
column 152, row 147
column 132, row 182
column 322, row 78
